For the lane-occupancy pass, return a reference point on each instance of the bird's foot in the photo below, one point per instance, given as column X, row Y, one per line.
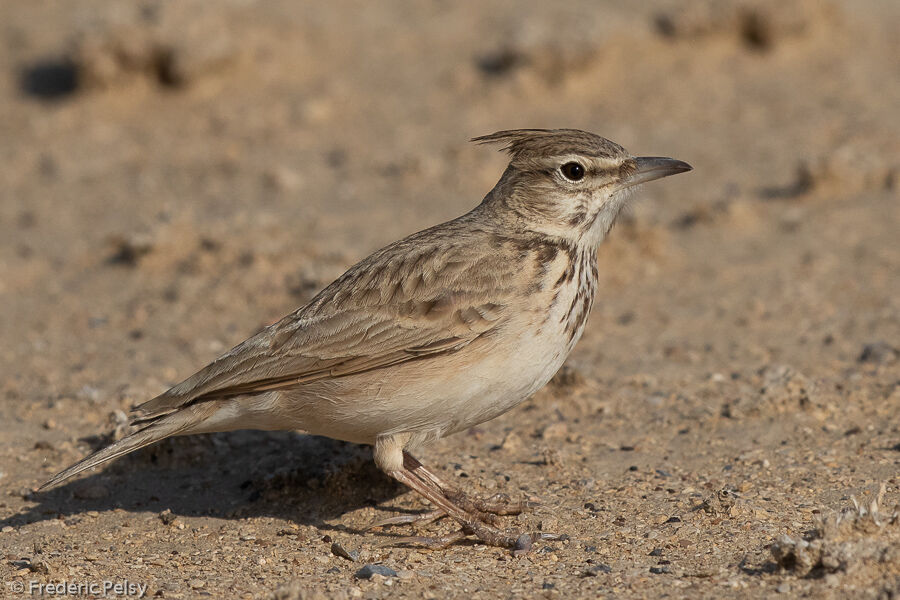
column 498, row 504
column 519, row 543
column 477, row 517
column 431, row 516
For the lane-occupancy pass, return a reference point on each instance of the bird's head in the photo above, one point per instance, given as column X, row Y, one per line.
column 569, row 183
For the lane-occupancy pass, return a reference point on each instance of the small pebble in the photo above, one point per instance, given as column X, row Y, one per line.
column 596, row 570
column 523, row 545
column 338, row 550
column 167, row 517
column 878, row 352
column 369, row 570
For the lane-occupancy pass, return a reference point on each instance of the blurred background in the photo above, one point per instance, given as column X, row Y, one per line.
column 176, row 175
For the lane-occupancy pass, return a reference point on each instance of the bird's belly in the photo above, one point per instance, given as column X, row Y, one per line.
column 433, row 397
column 504, row 380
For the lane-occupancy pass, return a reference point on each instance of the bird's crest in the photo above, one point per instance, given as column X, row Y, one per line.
column 536, row 143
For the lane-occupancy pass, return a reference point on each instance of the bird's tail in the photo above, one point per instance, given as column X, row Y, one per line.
column 167, row 426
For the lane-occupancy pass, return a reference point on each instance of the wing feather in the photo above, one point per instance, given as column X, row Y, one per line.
column 406, row 302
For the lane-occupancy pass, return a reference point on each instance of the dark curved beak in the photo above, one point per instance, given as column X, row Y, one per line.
column 649, row 168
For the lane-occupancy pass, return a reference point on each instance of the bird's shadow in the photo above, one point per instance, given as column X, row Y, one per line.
column 300, row 478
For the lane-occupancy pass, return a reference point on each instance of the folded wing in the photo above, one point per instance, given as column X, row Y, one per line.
column 406, row 302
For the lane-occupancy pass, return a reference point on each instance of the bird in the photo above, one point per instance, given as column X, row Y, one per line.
column 431, row 335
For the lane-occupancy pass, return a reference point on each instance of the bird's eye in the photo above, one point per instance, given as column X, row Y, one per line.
column 572, row 171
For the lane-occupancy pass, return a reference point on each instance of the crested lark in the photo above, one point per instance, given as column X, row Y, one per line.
column 433, row 334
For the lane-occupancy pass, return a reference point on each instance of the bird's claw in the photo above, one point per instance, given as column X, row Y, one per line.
column 498, row 504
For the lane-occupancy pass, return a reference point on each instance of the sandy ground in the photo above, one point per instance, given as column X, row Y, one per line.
column 175, row 176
